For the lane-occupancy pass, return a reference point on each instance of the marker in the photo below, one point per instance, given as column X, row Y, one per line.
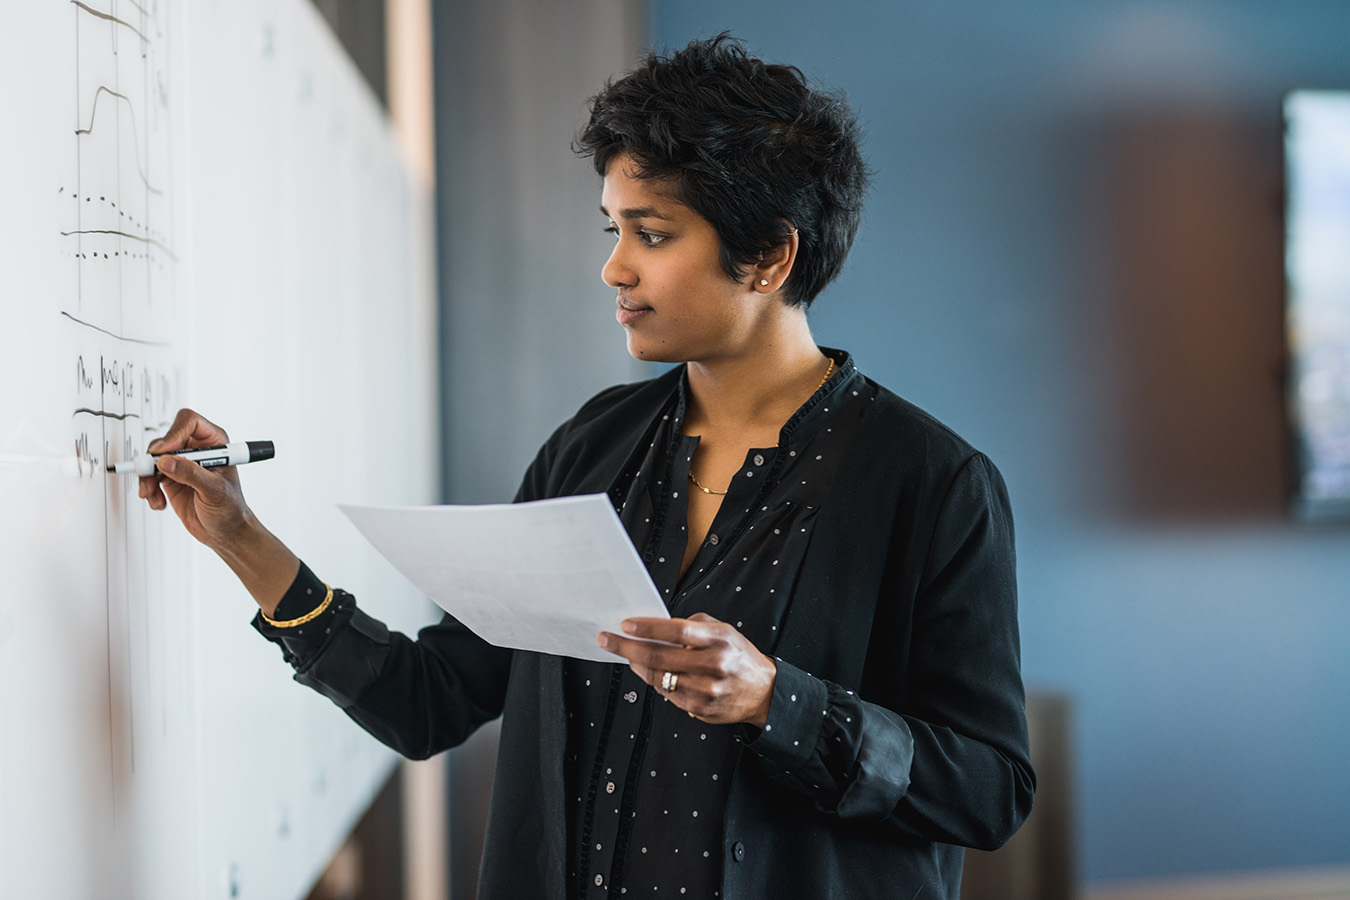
column 235, row 453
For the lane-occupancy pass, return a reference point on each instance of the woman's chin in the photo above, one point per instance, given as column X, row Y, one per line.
column 651, row 351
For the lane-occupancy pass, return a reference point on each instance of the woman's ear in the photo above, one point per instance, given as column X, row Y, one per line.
column 774, row 266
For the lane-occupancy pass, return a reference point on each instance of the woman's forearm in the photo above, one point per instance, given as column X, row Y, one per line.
column 264, row 565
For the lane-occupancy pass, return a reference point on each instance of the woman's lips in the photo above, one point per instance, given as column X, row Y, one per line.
column 628, row 312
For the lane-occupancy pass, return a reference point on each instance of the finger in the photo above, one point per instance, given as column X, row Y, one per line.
column 686, row 632
column 189, row 429
column 647, row 654
column 153, row 493
column 179, row 496
column 651, row 676
column 654, row 677
column 146, row 485
column 703, row 698
column 187, row 473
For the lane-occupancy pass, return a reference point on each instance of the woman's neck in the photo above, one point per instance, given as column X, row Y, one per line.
column 760, row 387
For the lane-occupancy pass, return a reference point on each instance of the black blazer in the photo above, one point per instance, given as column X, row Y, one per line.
column 907, row 596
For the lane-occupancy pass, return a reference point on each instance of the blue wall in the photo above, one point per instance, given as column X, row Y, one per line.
column 1072, row 256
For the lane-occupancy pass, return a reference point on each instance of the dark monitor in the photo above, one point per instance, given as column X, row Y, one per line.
column 1317, row 266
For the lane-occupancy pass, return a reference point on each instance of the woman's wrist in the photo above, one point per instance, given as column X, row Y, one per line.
column 264, row 565
column 759, row 713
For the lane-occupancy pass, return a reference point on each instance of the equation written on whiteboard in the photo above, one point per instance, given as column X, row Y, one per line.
column 121, row 401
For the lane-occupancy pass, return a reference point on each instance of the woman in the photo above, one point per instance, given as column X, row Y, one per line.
column 843, row 709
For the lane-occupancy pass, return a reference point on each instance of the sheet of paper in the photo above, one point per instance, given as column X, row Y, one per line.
column 547, row 576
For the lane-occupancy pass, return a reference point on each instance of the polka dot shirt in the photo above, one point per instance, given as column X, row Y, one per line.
column 647, row 783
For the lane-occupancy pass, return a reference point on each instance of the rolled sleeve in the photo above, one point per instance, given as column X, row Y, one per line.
column 301, row 644
column 797, row 711
column 814, row 741
column 340, row 652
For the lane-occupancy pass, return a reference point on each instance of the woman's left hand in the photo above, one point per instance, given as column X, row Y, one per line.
column 720, row 677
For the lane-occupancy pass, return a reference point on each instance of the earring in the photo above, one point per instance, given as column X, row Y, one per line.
column 764, row 282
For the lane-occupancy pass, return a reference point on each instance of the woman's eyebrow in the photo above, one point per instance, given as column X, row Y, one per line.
column 640, row 212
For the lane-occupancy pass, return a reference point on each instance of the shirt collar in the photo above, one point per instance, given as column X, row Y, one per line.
column 825, row 403
column 819, row 408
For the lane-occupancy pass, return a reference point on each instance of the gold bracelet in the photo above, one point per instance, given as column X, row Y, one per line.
column 312, row 614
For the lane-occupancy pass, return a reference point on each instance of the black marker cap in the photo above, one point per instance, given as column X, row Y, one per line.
column 260, row 450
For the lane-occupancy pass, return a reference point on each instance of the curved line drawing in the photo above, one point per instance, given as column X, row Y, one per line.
column 103, row 15
column 136, row 141
column 134, row 237
column 104, row 413
column 114, row 334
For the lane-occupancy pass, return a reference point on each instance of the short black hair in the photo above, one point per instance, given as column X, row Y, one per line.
column 751, row 147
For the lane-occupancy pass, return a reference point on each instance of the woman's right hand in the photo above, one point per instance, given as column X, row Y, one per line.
column 212, row 508
column 208, row 501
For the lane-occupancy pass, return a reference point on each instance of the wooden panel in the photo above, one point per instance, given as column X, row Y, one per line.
column 1037, row 864
column 1300, row 884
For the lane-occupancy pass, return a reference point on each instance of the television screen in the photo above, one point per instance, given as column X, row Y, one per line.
column 1317, row 265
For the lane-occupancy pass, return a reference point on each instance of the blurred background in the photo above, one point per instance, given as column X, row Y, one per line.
column 1073, row 254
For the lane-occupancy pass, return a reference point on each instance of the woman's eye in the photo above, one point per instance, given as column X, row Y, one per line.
column 646, row 237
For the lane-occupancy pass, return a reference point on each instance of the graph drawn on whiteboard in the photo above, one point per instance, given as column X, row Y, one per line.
column 136, row 706
column 121, row 229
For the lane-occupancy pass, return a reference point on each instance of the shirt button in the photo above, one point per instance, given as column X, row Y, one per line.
column 599, row 880
column 713, row 539
column 737, row 853
column 609, row 788
column 631, row 696
column 759, row 459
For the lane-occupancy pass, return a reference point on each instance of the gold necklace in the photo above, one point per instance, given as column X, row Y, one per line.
column 828, row 370
column 707, row 490
column 699, row 485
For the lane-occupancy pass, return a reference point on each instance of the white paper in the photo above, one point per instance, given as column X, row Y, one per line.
column 547, row 576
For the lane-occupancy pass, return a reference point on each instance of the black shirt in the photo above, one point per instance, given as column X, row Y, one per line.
column 911, row 738
column 648, row 782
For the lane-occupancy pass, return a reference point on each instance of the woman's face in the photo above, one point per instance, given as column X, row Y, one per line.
column 676, row 303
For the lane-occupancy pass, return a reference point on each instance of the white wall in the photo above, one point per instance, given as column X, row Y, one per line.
column 234, row 231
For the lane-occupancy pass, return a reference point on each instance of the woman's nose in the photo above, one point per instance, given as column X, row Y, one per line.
column 617, row 272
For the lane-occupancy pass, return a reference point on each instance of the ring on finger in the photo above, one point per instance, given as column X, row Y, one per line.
column 670, row 682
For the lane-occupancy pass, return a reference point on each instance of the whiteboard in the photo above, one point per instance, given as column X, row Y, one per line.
column 203, row 205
